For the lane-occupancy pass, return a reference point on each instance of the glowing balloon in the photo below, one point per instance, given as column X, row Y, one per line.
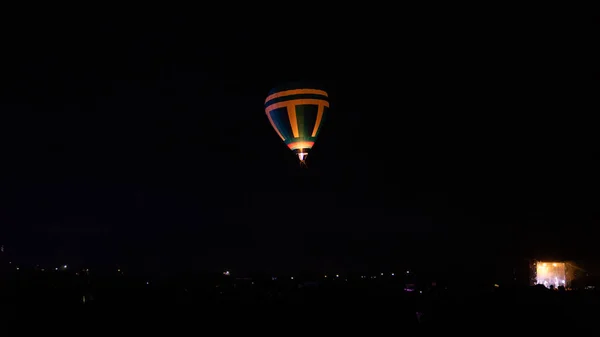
column 297, row 112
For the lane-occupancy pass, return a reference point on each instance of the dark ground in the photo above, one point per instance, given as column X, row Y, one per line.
column 329, row 306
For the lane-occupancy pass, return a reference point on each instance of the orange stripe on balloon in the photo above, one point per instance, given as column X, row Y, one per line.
column 274, row 127
column 319, row 118
column 300, row 145
column 293, row 120
column 296, row 92
column 308, row 101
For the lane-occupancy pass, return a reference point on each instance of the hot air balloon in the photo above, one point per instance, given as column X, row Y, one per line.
column 296, row 112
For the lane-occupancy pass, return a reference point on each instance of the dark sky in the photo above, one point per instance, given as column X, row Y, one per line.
column 144, row 141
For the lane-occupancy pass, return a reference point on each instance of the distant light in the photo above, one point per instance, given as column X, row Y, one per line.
column 55, row 268
column 554, row 265
column 336, row 275
column 119, row 270
column 381, row 274
column 17, row 268
column 9, row 262
column 43, row 269
column 408, row 271
column 325, row 276
column 147, row 282
column 292, row 277
column 393, row 274
column 226, row 273
column 65, row 266
column 420, row 291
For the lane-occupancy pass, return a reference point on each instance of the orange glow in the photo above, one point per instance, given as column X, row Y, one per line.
column 296, row 92
column 551, row 273
column 293, row 120
column 301, row 145
column 319, row 118
column 310, row 101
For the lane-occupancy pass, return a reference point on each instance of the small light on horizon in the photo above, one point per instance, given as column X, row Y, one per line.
column 337, row 275
column 393, row 274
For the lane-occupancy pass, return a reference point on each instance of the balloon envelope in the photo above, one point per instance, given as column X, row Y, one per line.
column 297, row 112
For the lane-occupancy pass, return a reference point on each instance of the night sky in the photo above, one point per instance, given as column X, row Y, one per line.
column 144, row 141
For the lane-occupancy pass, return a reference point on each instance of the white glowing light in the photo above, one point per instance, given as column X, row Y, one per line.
column 551, row 274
